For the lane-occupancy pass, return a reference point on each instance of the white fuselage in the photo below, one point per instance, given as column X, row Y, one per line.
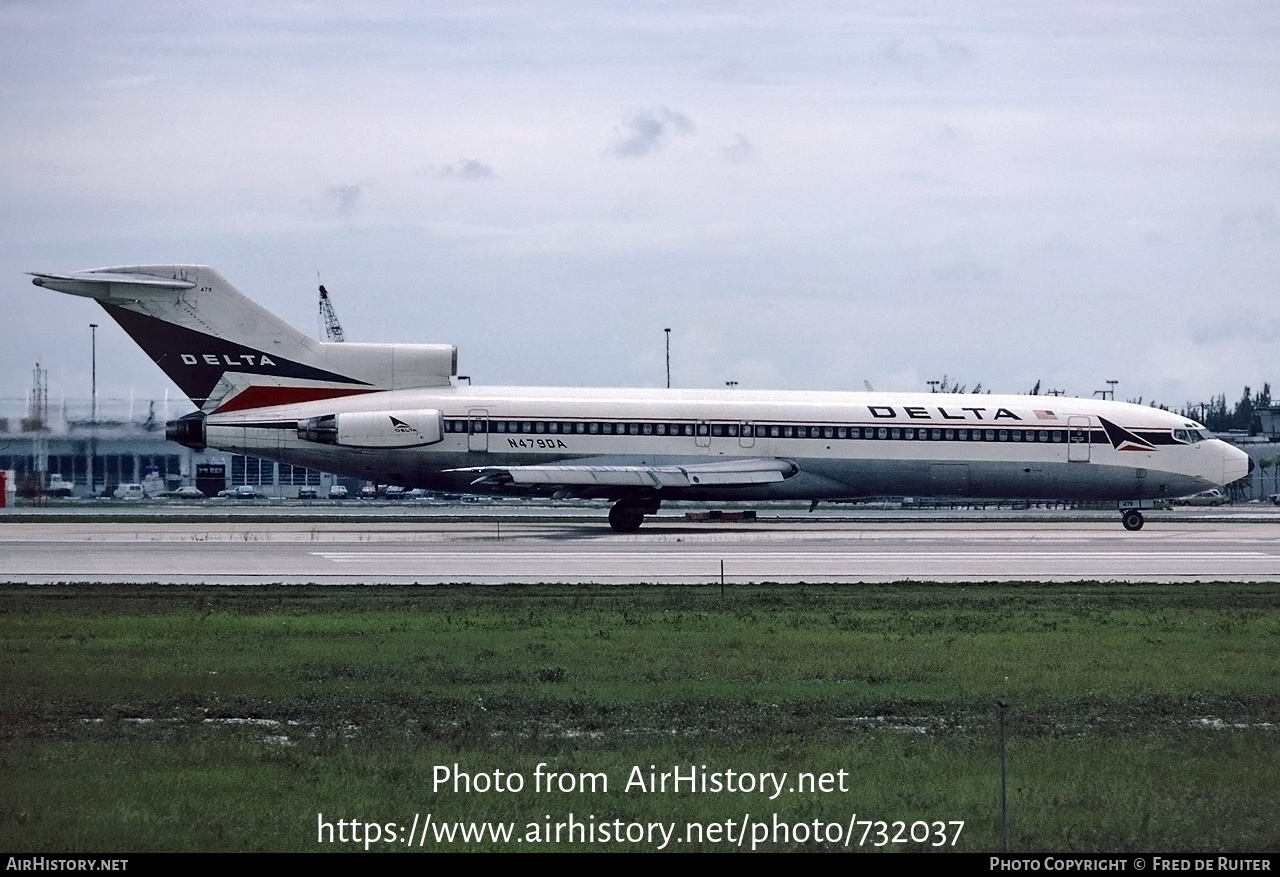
column 841, row 445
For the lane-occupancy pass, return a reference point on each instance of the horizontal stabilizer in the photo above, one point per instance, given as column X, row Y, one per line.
column 94, row 283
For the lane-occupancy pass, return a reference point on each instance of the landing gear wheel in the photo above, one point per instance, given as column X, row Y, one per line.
column 625, row 519
column 1132, row 520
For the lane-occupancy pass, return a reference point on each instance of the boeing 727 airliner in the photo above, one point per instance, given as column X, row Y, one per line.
column 392, row 413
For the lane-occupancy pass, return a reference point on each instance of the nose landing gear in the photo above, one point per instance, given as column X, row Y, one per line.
column 1130, row 514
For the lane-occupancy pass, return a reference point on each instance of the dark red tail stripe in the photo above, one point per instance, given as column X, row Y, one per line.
column 265, row 397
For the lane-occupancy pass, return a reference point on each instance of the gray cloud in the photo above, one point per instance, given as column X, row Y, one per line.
column 739, row 150
column 344, row 199
column 646, row 131
column 1259, row 224
column 465, row 169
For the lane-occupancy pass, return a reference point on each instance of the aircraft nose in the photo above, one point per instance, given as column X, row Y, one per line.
column 1236, row 464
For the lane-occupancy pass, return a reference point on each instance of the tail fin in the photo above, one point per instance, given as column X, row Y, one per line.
column 227, row 353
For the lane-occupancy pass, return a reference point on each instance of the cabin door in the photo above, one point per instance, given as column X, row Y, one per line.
column 702, row 434
column 478, row 429
column 1078, row 439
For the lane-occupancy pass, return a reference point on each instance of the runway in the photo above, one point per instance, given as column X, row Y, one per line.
column 490, row 552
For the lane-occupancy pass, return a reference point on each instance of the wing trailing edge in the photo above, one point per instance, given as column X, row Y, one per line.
column 729, row 473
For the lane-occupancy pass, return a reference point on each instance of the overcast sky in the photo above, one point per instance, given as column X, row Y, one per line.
column 810, row 195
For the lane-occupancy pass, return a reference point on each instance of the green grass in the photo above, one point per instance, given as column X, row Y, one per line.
column 1139, row 715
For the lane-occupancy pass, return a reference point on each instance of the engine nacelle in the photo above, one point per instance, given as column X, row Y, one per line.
column 375, row 429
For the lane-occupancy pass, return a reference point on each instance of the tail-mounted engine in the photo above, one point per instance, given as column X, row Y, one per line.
column 375, row 429
column 187, row 431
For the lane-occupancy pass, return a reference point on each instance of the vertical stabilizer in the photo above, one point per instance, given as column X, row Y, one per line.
column 226, row 353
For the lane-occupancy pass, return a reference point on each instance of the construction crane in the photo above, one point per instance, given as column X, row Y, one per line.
column 332, row 328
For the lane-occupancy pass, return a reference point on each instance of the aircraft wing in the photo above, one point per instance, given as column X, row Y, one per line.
column 726, row 473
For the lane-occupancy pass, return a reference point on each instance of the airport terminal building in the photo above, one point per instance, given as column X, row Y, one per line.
column 125, row 444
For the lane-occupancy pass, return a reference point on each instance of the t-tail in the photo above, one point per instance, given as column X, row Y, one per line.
column 227, row 353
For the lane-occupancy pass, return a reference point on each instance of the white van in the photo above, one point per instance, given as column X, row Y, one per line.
column 129, row 491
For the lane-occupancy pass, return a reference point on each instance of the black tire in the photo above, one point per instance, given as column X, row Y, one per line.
column 624, row 519
column 1133, row 520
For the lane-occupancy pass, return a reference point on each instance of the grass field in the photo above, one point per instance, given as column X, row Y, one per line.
column 1142, row 717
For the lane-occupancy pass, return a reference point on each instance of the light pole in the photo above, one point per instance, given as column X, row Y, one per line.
column 93, row 406
column 1113, row 389
column 933, row 386
column 668, row 334
column 93, row 371
column 731, row 384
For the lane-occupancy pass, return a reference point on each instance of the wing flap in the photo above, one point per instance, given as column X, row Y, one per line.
column 730, row 473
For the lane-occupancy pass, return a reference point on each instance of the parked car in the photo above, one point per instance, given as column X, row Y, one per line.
column 337, row 491
column 307, row 493
column 59, row 488
column 1274, row 498
column 244, row 491
column 188, row 492
column 1212, row 497
column 129, row 491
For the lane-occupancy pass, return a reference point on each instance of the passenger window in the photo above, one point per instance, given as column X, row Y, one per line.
column 937, row 434
column 963, row 434
column 648, row 429
column 540, row 426
column 634, row 429
column 1004, row 435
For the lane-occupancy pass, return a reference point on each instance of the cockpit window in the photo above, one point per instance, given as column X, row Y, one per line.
column 1182, row 435
column 1190, row 436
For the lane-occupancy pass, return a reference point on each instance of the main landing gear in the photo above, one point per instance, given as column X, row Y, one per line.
column 628, row 513
column 1132, row 519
